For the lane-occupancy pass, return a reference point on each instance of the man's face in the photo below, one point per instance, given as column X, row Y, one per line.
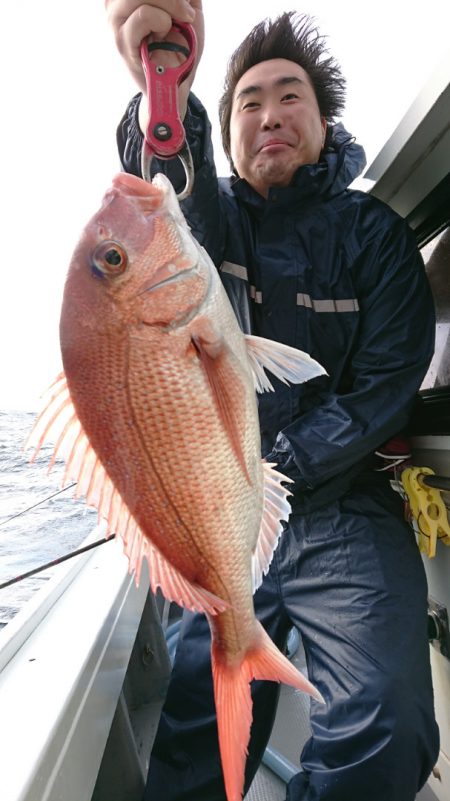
column 275, row 124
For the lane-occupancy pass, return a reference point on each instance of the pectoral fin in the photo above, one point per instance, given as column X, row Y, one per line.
column 288, row 364
column 227, row 390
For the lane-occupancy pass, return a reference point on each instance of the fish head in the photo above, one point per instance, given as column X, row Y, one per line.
column 136, row 263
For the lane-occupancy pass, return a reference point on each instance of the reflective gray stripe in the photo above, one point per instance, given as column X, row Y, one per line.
column 344, row 305
column 241, row 272
column 256, row 296
column 304, row 300
column 234, row 269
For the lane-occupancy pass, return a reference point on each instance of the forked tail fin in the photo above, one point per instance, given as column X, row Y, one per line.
column 234, row 704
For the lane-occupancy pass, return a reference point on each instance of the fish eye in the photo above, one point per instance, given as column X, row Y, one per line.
column 109, row 258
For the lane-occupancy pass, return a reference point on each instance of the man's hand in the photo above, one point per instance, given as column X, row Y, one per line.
column 132, row 21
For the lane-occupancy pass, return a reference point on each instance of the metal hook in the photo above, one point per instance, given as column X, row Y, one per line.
column 185, row 156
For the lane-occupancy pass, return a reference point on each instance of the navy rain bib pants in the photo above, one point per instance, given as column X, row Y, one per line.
column 349, row 576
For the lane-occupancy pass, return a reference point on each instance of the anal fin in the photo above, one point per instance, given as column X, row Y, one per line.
column 276, row 508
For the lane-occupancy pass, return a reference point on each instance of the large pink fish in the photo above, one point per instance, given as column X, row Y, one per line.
column 156, row 416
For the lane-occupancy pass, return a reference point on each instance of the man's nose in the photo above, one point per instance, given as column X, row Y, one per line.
column 271, row 119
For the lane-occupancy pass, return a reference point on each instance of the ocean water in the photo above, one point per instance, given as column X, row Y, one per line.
column 38, row 522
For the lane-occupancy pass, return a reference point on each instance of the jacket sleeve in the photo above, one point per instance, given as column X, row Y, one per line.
column 203, row 208
column 391, row 355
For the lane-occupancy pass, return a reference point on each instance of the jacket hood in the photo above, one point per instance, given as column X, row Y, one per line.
column 340, row 163
column 345, row 159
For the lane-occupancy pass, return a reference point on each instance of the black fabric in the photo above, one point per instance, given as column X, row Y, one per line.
column 351, row 579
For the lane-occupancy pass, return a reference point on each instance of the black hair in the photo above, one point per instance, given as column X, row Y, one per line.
column 294, row 37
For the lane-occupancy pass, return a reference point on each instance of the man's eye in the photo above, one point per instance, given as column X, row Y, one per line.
column 250, row 104
column 290, row 96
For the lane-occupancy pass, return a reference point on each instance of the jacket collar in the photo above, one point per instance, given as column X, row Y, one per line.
column 339, row 165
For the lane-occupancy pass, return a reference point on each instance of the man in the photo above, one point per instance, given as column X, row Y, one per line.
column 336, row 273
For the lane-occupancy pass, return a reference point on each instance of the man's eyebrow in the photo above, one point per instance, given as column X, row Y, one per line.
column 283, row 81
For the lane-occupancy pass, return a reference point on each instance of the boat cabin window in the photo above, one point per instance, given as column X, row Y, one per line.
column 436, row 255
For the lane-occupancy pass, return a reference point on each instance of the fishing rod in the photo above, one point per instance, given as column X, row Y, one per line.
column 57, row 561
column 38, row 503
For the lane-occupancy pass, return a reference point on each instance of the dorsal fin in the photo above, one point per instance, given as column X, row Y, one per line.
column 276, row 509
column 59, row 421
column 286, row 363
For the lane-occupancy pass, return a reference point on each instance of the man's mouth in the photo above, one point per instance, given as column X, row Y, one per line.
column 273, row 144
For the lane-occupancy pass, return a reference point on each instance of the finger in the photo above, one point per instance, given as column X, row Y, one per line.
column 132, row 21
column 144, row 21
column 118, row 11
column 178, row 9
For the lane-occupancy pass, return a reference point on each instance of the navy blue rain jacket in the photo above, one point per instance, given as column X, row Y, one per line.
column 329, row 270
